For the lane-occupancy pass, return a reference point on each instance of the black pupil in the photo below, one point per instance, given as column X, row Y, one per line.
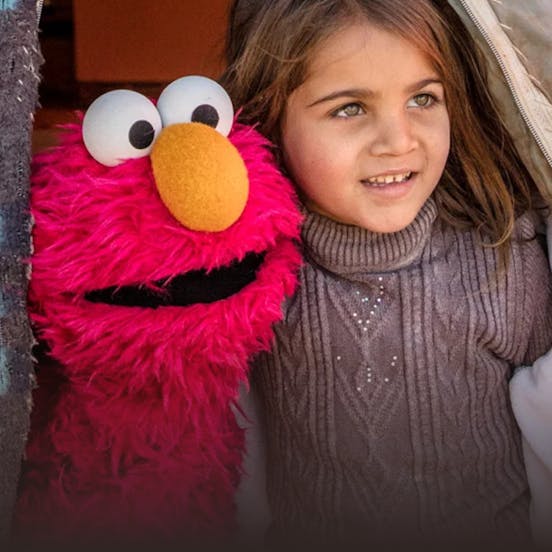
column 141, row 134
column 206, row 114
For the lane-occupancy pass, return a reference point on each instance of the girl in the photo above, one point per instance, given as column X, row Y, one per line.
column 385, row 398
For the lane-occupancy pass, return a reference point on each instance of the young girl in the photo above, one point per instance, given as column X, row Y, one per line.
column 385, row 398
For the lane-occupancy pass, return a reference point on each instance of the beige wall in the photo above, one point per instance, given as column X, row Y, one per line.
column 148, row 40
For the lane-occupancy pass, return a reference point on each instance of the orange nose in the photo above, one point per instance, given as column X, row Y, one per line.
column 200, row 176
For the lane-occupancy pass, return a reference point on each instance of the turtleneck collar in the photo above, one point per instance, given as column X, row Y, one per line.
column 345, row 249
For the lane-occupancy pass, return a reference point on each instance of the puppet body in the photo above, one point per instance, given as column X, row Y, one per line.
column 151, row 326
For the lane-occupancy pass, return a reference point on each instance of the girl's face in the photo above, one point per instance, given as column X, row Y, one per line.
column 367, row 134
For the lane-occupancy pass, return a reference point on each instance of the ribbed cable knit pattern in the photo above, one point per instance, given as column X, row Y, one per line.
column 386, row 393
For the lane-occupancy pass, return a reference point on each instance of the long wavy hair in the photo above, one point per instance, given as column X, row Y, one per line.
column 270, row 42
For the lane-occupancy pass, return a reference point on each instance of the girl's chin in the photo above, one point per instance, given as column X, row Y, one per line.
column 391, row 222
column 374, row 218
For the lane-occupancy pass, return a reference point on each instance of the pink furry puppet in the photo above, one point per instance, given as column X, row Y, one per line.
column 163, row 252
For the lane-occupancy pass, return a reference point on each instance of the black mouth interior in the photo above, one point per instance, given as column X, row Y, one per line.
column 197, row 286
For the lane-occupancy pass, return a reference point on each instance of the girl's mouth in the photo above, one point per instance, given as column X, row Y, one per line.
column 384, row 180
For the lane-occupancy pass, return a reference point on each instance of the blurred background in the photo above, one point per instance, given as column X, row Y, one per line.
column 92, row 46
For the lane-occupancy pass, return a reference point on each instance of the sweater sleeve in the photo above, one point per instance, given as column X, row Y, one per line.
column 537, row 280
column 531, row 396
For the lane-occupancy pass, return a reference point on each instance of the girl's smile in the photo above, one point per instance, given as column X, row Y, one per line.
column 392, row 184
column 366, row 135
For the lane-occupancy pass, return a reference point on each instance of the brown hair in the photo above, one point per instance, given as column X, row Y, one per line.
column 484, row 185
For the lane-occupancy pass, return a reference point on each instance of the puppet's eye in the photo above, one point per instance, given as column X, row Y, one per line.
column 120, row 125
column 196, row 99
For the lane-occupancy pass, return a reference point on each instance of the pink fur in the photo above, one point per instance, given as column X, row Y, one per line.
column 133, row 430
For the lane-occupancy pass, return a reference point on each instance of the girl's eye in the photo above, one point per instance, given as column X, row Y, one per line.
column 422, row 100
column 349, row 110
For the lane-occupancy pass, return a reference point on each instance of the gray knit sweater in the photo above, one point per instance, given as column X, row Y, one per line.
column 386, row 399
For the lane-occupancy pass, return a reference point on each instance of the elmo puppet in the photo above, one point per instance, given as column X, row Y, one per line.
column 165, row 242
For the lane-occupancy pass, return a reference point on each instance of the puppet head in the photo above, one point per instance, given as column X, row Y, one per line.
column 158, row 237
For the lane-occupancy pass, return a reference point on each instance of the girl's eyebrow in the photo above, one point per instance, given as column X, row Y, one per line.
column 424, row 82
column 348, row 93
column 360, row 93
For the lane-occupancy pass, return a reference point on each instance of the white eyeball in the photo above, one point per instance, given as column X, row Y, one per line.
column 120, row 125
column 196, row 99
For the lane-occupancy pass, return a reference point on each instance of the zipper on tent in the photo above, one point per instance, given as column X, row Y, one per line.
column 509, row 81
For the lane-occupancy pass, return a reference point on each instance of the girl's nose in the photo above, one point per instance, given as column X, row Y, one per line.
column 200, row 176
column 393, row 135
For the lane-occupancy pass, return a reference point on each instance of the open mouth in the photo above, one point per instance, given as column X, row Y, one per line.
column 196, row 286
column 387, row 180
